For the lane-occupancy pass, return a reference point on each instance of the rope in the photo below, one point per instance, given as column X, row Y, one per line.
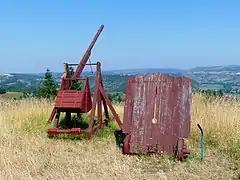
column 90, row 65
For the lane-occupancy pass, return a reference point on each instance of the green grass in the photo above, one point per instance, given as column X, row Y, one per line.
column 11, row 95
column 211, row 86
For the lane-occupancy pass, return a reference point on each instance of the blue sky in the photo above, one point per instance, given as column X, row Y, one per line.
column 36, row 35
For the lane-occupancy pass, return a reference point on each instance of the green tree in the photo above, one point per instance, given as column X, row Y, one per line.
column 116, row 97
column 77, row 85
column 2, row 90
column 227, row 87
column 48, row 89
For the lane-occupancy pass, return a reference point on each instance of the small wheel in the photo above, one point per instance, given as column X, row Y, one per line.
column 179, row 149
column 182, row 151
column 126, row 144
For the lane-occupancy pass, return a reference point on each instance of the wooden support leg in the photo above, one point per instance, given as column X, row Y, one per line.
column 111, row 107
column 99, row 110
column 79, row 117
column 92, row 114
column 95, row 99
column 56, row 119
column 104, row 101
column 52, row 115
column 105, row 108
column 68, row 119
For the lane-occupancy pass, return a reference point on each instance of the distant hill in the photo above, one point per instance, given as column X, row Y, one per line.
column 228, row 68
column 115, row 80
column 143, row 71
column 216, row 74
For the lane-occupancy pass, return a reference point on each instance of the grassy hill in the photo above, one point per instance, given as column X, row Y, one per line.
column 27, row 153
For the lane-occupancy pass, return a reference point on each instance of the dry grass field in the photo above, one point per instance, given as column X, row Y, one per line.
column 27, row 153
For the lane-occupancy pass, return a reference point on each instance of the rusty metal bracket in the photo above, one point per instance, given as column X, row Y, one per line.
column 202, row 142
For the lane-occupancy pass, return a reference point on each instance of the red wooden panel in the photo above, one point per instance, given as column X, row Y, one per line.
column 69, row 105
column 74, row 99
column 65, row 100
column 69, row 99
column 157, row 112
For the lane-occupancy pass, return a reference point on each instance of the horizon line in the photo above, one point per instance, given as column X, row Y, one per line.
column 170, row 68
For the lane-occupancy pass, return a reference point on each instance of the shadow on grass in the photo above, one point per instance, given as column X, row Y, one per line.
column 158, row 157
column 83, row 123
column 76, row 122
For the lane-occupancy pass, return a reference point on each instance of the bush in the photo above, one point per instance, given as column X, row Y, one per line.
column 116, row 97
column 2, row 91
column 211, row 94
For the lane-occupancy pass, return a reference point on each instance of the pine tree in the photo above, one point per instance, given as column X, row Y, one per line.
column 76, row 85
column 49, row 88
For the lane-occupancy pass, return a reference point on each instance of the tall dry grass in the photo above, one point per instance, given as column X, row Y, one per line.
column 27, row 153
column 220, row 119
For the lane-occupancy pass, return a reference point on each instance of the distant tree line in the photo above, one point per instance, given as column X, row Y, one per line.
column 212, row 93
column 48, row 89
